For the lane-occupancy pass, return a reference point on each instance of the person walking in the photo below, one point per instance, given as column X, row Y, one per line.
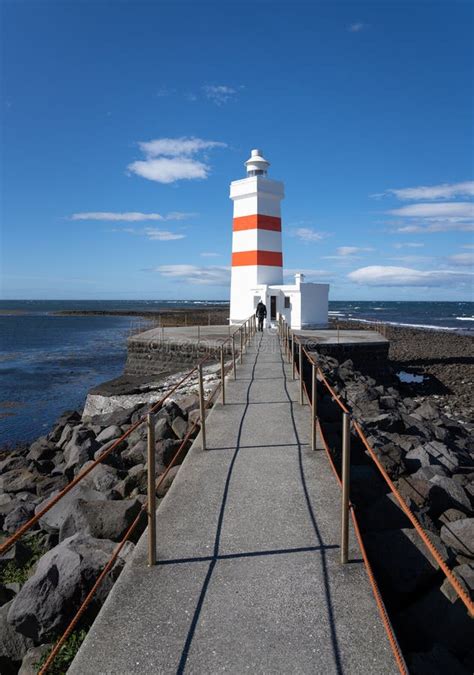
column 261, row 314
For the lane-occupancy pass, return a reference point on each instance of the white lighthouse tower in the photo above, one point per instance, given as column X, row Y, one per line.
column 257, row 257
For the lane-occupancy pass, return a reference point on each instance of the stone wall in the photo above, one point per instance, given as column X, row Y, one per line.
column 370, row 358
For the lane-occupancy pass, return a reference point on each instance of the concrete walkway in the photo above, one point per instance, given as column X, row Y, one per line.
column 248, row 576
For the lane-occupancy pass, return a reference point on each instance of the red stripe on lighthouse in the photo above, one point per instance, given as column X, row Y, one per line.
column 257, row 221
column 270, row 258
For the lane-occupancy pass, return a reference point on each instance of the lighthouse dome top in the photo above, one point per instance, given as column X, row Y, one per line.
column 257, row 165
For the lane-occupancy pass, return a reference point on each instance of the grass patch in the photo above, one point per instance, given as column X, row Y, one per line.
column 65, row 655
column 13, row 572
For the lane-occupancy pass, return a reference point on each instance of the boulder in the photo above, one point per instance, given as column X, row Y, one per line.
column 101, row 478
column 450, row 516
column 18, row 480
column 48, row 484
column 119, row 417
column 427, row 411
column 18, row 553
column 465, row 576
column 417, row 458
column 79, row 449
column 54, row 518
column 66, row 435
column 189, row 403
column 414, row 489
column 459, row 535
column 103, row 520
column 163, row 429
column 402, row 559
column 109, row 434
column 13, row 645
column 139, row 476
column 166, row 484
column 18, row 517
column 114, row 458
column 179, row 427
column 63, row 577
column 426, row 473
column 445, row 494
column 29, row 665
column 41, row 449
column 12, row 462
column 136, row 454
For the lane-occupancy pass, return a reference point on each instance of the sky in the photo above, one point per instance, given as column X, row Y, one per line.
column 123, row 124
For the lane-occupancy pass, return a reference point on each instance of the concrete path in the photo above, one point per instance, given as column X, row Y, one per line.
column 248, row 576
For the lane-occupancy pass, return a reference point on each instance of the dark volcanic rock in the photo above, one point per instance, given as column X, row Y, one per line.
column 459, row 535
column 63, row 577
column 13, row 645
column 18, row 480
column 103, row 520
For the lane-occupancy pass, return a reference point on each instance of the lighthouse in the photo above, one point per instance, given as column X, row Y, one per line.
column 257, row 255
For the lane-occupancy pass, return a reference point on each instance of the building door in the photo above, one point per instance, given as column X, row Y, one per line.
column 273, row 307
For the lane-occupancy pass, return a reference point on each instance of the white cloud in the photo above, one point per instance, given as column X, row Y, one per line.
column 177, row 147
column 408, row 244
column 443, row 191
column 436, row 210
column 357, row 27
column 377, row 275
column 351, row 250
column 152, row 233
column 171, row 159
column 466, row 259
column 192, row 274
column 219, row 94
column 128, row 216
column 451, row 225
column 308, row 234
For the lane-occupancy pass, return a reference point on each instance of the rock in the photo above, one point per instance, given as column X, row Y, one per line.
column 41, row 449
column 109, row 434
column 415, row 426
column 66, row 435
column 445, row 494
column 166, row 484
column 29, row 665
column 188, row 403
column 7, row 504
column 102, row 478
column 12, row 462
column 6, row 594
column 437, row 661
column 49, row 599
column 13, row 645
column 166, row 450
column 426, row 473
column 427, row 411
column 138, row 475
column 414, row 489
column 163, row 430
column 450, row 516
column 46, row 485
column 417, row 458
column 465, row 576
column 443, row 455
column 125, row 487
column 179, row 427
column 18, row 480
column 54, row 518
column 403, row 560
column 79, row 449
column 135, row 454
column 114, row 459
column 18, row 517
column 104, row 520
column 18, row 553
column 459, row 535
column 119, row 417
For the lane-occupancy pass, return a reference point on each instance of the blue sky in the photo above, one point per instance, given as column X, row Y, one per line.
column 123, row 124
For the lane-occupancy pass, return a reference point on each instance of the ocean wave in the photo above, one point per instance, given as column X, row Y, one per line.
column 403, row 325
column 465, row 318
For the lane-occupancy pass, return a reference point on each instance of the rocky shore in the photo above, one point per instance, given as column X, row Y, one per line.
column 48, row 573
column 429, row 456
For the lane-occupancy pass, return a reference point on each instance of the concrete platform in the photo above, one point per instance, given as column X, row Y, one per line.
column 346, row 337
column 248, row 576
column 213, row 335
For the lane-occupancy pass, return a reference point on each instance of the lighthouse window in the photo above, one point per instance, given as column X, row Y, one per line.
column 287, row 302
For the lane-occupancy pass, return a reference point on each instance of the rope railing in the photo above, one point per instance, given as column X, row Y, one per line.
column 288, row 336
column 246, row 330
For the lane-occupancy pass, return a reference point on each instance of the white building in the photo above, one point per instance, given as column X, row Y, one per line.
column 257, row 258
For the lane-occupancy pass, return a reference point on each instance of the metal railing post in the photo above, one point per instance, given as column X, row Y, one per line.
column 293, row 356
column 346, row 465
column 301, row 373
column 222, row 375
column 241, row 343
column 150, row 423
column 233, row 357
column 314, row 403
column 202, row 408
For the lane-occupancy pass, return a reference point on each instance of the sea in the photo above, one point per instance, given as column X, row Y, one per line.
column 48, row 362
